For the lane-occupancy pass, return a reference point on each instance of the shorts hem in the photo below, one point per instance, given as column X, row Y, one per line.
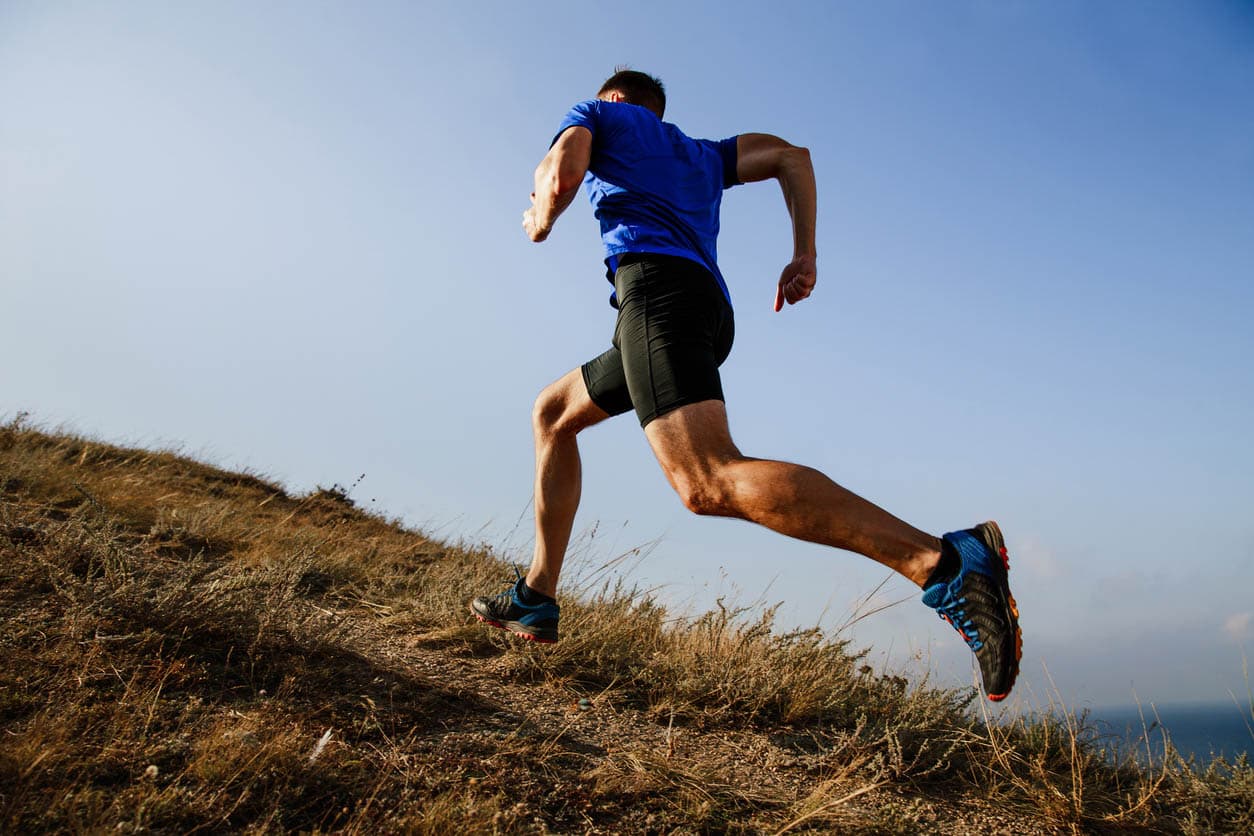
column 649, row 417
column 597, row 398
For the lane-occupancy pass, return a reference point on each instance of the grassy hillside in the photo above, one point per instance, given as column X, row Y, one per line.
column 186, row 648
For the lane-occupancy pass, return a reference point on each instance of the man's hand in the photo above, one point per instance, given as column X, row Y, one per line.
column 796, row 282
column 532, row 226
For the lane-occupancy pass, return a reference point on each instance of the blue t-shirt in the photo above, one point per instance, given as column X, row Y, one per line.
column 653, row 189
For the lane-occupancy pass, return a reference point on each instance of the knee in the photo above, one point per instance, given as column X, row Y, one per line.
column 550, row 415
column 706, row 495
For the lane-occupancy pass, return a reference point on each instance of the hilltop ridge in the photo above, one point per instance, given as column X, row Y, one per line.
column 188, row 648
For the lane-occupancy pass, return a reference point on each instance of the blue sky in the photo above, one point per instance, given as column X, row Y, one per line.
column 286, row 237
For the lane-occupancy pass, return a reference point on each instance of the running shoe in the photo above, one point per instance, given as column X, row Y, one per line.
column 977, row 603
column 536, row 623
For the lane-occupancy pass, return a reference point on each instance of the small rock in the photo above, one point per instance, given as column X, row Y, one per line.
column 585, row 704
column 151, row 771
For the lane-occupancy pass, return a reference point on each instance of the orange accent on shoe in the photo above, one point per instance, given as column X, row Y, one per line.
column 496, row 624
column 535, row 639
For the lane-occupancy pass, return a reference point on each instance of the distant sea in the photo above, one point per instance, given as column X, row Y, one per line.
column 1203, row 731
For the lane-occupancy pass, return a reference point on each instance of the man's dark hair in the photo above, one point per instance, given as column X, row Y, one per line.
column 637, row 88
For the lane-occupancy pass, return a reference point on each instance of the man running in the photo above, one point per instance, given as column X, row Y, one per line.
column 656, row 193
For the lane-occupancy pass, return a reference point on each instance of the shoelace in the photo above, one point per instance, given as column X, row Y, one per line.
column 954, row 612
column 510, row 587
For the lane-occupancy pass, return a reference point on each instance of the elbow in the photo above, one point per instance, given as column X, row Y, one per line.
column 787, row 162
column 557, row 182
column 796, row 157
column 792, row 165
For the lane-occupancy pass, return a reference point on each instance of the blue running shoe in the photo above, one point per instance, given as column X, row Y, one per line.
column 977, row 603
column 536, row 623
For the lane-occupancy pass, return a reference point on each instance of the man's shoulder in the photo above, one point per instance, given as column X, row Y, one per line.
column 621, row 112
column 598, row 115
column 677, row 132
column 583, row 111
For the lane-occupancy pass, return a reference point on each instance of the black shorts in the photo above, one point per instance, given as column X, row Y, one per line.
column 674, row 330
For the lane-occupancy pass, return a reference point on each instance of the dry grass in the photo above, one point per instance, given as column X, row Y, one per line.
column 189, row 649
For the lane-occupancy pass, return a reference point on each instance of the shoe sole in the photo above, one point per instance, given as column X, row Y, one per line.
column 990, row 534
column 517, row 628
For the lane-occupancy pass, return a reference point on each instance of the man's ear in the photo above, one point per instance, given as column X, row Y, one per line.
column 612, row 96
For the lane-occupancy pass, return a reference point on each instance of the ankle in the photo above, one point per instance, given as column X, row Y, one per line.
column 925, row 564
column 948, row 564
column 534, row 593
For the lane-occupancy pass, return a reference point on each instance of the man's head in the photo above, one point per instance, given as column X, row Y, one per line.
column 635, row 88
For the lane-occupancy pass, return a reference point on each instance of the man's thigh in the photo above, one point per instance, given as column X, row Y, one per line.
column 691, row 442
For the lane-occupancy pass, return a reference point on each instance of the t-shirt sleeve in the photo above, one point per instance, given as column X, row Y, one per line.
column 583, row 115
column 727, row 151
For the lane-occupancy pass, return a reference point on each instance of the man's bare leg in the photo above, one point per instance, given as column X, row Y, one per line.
column 694, row 447
column 561, row 411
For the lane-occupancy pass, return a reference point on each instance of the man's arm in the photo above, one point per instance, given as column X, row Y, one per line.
column 557, row 180
column 766, row 157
